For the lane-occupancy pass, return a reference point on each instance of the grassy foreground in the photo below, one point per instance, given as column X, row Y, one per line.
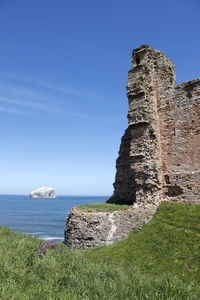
column 161, row 262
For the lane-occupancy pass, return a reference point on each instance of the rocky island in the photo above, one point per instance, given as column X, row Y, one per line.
column 43, row 192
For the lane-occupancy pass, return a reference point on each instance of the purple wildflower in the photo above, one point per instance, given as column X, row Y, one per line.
column 43, row 247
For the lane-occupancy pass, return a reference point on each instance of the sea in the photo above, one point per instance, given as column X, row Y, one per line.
column 41, row 218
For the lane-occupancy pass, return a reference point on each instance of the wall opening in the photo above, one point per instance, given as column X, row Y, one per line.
column 174, row 191
column 167, row 179
column 137, row 60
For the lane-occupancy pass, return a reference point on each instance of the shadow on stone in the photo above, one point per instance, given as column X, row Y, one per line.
column 124, row 185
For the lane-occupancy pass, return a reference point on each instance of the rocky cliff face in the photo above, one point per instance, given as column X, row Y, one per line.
column 89, row 229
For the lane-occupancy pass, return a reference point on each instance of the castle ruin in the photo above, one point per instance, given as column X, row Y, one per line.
column 159, row 157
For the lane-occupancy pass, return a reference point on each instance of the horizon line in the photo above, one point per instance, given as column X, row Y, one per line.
column 62, row 195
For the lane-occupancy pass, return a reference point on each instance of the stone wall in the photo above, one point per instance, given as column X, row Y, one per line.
column 159, row 157
column 86, row 229
column 180, row 141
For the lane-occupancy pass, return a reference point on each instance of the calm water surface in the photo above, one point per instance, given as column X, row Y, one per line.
column 43, row 218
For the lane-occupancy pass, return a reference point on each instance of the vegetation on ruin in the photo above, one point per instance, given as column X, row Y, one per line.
column 161, row 261
column 104, row 206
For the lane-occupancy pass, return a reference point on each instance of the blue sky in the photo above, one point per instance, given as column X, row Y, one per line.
column 63, row 72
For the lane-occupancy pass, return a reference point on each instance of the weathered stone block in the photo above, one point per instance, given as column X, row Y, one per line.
column 102, row 228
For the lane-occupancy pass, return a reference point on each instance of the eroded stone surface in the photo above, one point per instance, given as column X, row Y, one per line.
column 159, row 157
column 85, row 229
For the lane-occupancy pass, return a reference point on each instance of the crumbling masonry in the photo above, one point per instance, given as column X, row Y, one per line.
column 159, row 157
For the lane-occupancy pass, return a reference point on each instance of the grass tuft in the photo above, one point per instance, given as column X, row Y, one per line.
column 103, row 206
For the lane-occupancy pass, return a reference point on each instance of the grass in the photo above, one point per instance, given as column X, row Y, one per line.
column 159, row 262
column 169, row 243
column 103, row 206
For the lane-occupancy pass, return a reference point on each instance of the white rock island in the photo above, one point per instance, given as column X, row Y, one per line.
column 43, row 192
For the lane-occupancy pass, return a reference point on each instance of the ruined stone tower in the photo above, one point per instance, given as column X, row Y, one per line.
column 159, row 157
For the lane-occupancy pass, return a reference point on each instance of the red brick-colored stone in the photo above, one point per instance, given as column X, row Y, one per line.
column 159, row 157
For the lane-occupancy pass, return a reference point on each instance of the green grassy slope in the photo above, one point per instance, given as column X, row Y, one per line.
column 161, row 262
column 169, row 243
